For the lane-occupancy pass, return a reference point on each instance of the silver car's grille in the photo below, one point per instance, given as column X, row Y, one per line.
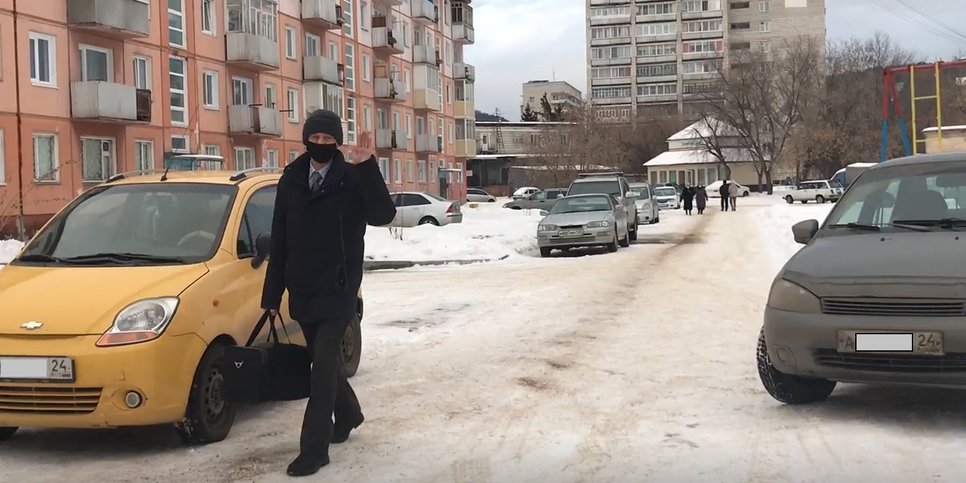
column 890, row 362
column 571, row 227
column 894, row 307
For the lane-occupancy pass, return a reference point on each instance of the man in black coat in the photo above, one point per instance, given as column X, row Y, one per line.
column 322, row 207
column 725, row 192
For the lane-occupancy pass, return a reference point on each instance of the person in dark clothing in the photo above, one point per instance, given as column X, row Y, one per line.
column 322, row 207
column 701, row 199
column 687, row 196
column 725, row 192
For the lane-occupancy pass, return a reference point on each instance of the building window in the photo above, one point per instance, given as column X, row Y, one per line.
column 350, row 116
column 384, row 169
column 610, row 12
column 241, row 91
column 364, row 15
column 244, row 158
column 208, row 16
column 292, row 155
column 350, row 69
column 142, row 73
column 179, row 144
column 347, row 15
column 655, row 9
column 421, row 168
column 211, row 150
column 290, row 50
column 257, row 17
column 741, row 26
column 271, row 158
column 656, row 70
column 452, row 133
column 765, row 26
column 97, row 159
column 143, row 155
column 616, row 52
column 366, row 118
column 3, row 161
column 410, row 171
column 97, row 64
column 366, row 68
column 292, row 97
column 178, row 68
column 653, row 29
column 763, row 6
column 702, row 26
column 701, row 6
column 657, row 89
column 176, row 23
column 271, row 96
column 43, row 68
column 702, row 46
column 313, row 45
column 210, row 89
column 409, row 126
column 398, row 171
column 610, row 92
column 46, row 165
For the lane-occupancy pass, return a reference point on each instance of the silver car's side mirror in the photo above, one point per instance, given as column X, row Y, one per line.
column 544, row 212
column 804, row 231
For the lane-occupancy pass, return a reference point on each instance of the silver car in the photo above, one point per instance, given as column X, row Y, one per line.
column 667, row 197
column 583, row 221
column 647, row 207
column 876, row 295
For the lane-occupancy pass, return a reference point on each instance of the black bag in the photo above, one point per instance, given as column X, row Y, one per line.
column 276, row 372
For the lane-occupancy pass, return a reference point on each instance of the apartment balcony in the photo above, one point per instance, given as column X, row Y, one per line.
column 254, row 121
column 384, row 42
column 610, row 62
column 250, row 51
column 645, row 39
column 657, row 59
column 702, row 14
column 464, row 109
column 426, row 100
column 109, row 102
column 651, row 79
column 464, row 71
column 388, row 3
column 657, row 98
column 702, row 55
column 608, row 101
column 429, row 144
column 322, row 95
column 391, row 139
column 613, row 41
column 602, row 3
column 121, row 19
column 463, row 33
column 426, row 54
column 619, row 81
column 615, row 20
column 391, row 90
column 710, row 34
column 325, row 14
column 425, row 12
column 318, row 68
column 702, row 76
column 465, row 148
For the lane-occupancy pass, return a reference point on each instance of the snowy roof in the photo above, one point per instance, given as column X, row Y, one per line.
column 704, row 128
column 698, row 156
column 589, row 167
column 945, row 128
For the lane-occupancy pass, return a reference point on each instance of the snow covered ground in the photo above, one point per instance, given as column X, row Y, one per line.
column 8, row 250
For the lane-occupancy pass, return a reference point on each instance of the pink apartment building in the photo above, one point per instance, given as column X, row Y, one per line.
column 92, row 88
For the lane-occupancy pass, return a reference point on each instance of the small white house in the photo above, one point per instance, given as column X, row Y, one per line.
column 688, row 161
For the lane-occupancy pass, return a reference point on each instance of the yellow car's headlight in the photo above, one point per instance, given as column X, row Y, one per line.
column 141, row 321
column 792, row 297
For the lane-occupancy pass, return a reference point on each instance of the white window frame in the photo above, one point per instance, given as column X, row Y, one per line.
column 351, row 121
column 410, row 171
column 211, row 150
column 366, row 68
column 35, row 59
column 208, row 17
column 363, row 15
column 292, row 97
column 249, row 83
column 271, row 158
column 144, row 83
column 764, row 26
column 187, row 144
column 409, row 126
column 209, row 94
column 54, row 175
column 384, row 168
column 183, row 92
column 347, row 15
column 397, row 169
column 249, row 154
column 111, row 170
column 291, row 47
column 3, row 160
column 83, row 60
column 139, row 144
column 292, row 155
column 421, row 171
column 184, row 37
column 350, row 67
column 271, row 96
column 315, row 40
column 763, row 6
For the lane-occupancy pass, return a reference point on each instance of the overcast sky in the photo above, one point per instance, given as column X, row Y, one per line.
column 521, row 40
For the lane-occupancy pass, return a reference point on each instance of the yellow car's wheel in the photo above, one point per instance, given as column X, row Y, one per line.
column 6, row 432
column 209, row 416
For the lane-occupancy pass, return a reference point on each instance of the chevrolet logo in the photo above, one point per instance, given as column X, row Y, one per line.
column 32, row 325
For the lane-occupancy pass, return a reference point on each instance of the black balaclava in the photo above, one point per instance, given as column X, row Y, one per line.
column 323, row 121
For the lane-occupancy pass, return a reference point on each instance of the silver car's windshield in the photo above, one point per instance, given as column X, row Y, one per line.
column 924, row 195
column 594, row 187
column 581, row 205
column 664, row 192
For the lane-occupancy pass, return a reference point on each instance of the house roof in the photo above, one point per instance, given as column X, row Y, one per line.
column 704, row 128
column 698, row 156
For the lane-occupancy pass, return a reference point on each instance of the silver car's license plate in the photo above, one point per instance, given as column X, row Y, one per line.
column 915, row 342
column 571, row 233
column 37, row 368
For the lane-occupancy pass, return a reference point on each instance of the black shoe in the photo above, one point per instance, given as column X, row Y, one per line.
column 340, row 433
column 306, row 465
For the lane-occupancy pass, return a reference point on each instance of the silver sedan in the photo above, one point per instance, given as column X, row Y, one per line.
column 583, row 221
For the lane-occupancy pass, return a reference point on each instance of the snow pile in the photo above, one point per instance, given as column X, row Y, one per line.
column 775, row 224
column 488, row 231
column 8, row 250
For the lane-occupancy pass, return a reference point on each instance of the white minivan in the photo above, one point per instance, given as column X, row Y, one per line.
column 817, row 191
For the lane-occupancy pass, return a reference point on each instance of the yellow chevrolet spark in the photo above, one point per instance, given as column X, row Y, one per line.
column 118, row 310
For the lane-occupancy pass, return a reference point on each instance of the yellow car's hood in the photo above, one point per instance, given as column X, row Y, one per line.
column 82, row 300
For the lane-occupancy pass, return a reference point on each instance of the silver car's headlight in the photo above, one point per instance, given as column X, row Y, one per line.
column 547, row 228
column 141, row 321
column 598, row 224
column 791, row 297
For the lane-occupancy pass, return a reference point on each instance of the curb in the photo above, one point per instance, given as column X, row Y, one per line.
column 374, row 265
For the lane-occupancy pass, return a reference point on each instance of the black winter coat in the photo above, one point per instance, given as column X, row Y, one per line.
column 318, row 240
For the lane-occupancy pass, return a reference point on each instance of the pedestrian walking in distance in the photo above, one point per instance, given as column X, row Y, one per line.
column 700, row 199
column 322, row 207
column 733, row 193
column 687, row 196
column 725, row 193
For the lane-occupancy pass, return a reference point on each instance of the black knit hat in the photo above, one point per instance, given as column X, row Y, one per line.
column 323, row 121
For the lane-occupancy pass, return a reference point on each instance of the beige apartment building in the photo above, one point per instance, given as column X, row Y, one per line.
column 649, row 58
column 91, row 88
column 558, row 93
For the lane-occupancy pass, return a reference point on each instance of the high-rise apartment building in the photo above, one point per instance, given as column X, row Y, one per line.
column 649, row 58
column 90, row 88
column 559, row 93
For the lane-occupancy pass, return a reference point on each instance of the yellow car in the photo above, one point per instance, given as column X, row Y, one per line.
column 118, row 311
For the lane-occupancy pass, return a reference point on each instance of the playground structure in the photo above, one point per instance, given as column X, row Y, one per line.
column 891, row 87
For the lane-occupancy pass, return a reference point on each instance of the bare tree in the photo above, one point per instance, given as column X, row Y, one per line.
column 714, row 136
column 10, row 205
column 564, row 149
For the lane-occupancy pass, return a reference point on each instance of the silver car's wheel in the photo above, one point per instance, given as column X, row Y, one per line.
column 626, row 241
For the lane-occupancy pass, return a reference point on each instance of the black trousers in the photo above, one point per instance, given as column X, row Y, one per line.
column 331, row 392
column 724, row 202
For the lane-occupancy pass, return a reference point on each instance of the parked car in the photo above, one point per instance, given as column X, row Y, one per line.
column 667, row 197
column 647, row 205
column 714, row 188
column 524, row 192
column 612, row 183
column 152, row 280
column 541, row 200
column 479, row 195
column 584, row 221
column 417, row 208
column 875, row 295
column 817, row 191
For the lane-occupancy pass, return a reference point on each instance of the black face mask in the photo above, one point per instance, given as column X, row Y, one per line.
column 321, row 153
